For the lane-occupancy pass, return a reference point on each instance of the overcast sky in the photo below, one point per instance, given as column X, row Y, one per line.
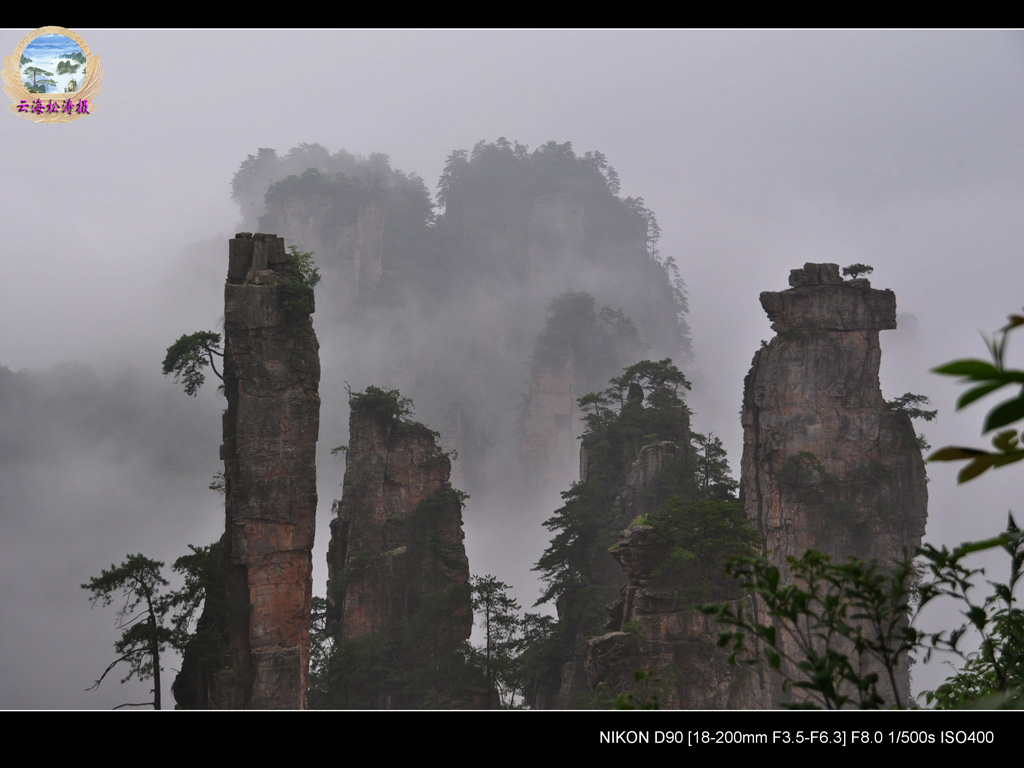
column 757, row 151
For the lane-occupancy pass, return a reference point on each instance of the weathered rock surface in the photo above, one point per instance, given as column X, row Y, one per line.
column 652, row 627
column 271, row 425
column 826, row 465
column 345, row 231
column 397, row 548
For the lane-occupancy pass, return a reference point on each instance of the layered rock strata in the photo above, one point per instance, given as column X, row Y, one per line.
column 826, row 465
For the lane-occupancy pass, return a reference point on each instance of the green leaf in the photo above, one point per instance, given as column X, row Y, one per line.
column 1007, row 413
column 1015, row 320
column 972, row 369
column 975, row 468
column 1005, row 441
column 956, row 454
column 977, row 616
column 980, row 391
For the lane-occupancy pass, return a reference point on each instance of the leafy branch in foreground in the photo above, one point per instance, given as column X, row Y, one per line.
column 835, row 632
column 989, row 377
column 993, row 676
column 839, row 632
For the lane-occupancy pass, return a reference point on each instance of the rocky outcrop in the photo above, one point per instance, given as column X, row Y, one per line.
column 344, row 226
column 649, row 629
column 271, row 425
column 654, row 627
column 397, row 568
column 826, row 465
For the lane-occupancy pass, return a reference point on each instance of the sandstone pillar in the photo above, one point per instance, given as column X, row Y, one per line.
column 271, row 425
column 826, row 465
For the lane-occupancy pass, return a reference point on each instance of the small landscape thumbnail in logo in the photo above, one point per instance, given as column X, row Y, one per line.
column 52, row 77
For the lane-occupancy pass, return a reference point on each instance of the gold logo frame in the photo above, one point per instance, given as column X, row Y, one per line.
column 15, row 88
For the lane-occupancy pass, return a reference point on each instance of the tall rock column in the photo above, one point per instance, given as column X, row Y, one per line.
column 398, row 593
column 271, row 425
column 826, row 465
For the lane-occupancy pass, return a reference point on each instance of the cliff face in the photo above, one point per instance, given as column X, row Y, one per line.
column 653, row 625
column 549, row 424
column 826, row 465
column 347, row 236
column 271, row 425
column 397, row 564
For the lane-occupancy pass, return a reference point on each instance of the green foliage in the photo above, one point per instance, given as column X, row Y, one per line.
column 909, row 404
column 856, row 270
column 153, row 620
column 135, row 584
column 837, row 631
column 643, row 698
column 694, row 535
column 660, row 382
column 712, row 470
column 218, row 484
column 300, row 278
column 40, row 77
column 499, row 618
column 418, row 663
column 187, row 357
column 387, row 404
column 991, row 377
column 204, row 590
column 321, row 648
column 697, row 537
column 993, row 676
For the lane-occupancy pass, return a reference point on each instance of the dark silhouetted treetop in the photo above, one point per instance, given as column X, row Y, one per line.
column 712, row 471
column 856, row 270
column 187, row 357
column 660, row 382
column 135, row 584
column 909, row 403
column 386, row 403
